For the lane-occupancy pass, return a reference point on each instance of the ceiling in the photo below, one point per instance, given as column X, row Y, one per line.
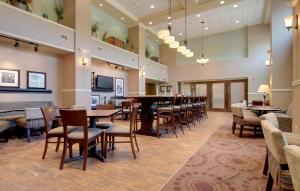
column 218, row 17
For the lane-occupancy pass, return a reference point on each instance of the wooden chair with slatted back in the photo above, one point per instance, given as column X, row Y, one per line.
column 165, row 120
column 124, row 131
column 126, row 108
column 82, row 134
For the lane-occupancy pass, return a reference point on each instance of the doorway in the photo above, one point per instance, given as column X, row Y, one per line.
column 221, row 93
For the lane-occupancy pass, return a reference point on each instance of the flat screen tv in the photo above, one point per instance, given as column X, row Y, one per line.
column 105, row 83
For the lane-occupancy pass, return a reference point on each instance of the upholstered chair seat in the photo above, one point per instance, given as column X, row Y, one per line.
column 104, row 124
column 79, row 134
column 60, row 130
column 119, row 129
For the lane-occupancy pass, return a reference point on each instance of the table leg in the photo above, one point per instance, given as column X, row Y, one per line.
column 146, row 119
column 92, row 152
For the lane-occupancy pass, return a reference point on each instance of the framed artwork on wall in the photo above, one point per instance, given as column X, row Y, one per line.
column 95, row 100
column 36, row 80
column 119, row 85
column 162, row 88
column 9, row 78
column 168, row 89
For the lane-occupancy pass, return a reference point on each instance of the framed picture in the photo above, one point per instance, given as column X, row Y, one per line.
column 36, row 80
column 119, row 87
column 9, row 78
column 168, row 89
column 95, row 100
column 162, row 88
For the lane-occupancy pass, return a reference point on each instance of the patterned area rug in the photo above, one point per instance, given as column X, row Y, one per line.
column 224, row 163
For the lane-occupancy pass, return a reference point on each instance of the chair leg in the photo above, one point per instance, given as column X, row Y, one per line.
column 85, row 156
column 105, row 146
column 174, row 131
column 28, row 135
column 102, row 143
column 269, row 183
column 70, row 150
column 132, row 148
column 80, row 149
column 233, row 127
column 57, row 144
column 266, row 166
column 255, row 130
column 63, row 157
column 45, row 148
column 113, row 143
column 137, row 146
column 241, row 130
column 6, row 134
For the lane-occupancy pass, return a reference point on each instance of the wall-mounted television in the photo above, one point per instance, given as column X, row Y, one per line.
column 105, row 83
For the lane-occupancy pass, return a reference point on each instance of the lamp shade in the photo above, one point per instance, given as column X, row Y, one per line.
column 169, row 40
column 163, row 34
column 181, row 48
column 174, row 44
column 288, row 21
column 264, row 88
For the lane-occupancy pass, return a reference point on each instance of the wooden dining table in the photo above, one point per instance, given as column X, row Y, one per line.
column 93, row 115
column 147, row 116
column 264, row 109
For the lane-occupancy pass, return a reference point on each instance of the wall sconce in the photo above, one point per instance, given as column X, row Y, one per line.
column 85, row 61
column 268, row 63
column 291, row 22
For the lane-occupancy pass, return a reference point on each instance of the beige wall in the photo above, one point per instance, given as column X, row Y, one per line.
column 282, row 55
column 100, row 68
column 252, row 67
column 296, row 75
column 24, row 59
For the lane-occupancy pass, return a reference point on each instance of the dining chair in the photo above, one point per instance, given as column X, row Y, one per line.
column 49, row 114
column 82, row 134
column 165, row 120
column 123, row 131
column 292, row 153
column 126, row 108
column 105, row 124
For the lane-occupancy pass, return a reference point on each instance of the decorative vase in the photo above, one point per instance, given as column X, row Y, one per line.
column 21, row 6
column 60, row 20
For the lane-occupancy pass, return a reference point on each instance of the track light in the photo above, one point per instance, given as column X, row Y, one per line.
column 17, row 44
column 36, row 48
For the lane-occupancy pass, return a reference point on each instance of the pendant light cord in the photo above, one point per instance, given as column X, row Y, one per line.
column 185, row 20
column 170, row 17
column 202, row 23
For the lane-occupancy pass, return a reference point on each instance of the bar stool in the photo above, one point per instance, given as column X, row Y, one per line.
column 168, row 120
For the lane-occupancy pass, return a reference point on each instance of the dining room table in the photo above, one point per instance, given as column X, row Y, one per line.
column 261, row 110
column 93, row 115
column 146, row 114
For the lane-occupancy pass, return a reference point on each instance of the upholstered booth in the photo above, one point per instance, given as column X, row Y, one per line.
column 292, row 153
column 244, row 117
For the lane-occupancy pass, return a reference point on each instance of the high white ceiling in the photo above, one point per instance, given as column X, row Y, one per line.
column 218, row 18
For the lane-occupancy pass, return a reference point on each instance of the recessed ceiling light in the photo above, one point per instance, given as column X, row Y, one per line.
column 198, row 16
column 152, row 6
column 169, row 23
column 206, row 28
column 169, row 17
column 150, row 23
column 180, row 34
column 100, row 4
column 122, row 18
column 237, row 21
column 222, row 2
column 235, row 5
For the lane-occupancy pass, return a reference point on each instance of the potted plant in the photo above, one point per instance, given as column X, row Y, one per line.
column 104, row 36
column 95, row 28
column 127, row 43
column 59, row 10
column 147, row 52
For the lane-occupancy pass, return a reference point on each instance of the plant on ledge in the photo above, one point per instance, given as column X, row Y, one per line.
column 147, row 52
column 21, row 4
column 104, row 36
column 95, row 28
column 59, row 10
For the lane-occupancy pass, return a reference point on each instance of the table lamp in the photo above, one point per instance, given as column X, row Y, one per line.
column 265, row 89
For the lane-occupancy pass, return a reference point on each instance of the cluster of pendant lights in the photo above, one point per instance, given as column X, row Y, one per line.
column 170, row 40
column 202, row 59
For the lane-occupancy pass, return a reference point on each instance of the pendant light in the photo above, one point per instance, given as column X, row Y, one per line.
column 166, row 34
column 184, row 50
column 202, row 59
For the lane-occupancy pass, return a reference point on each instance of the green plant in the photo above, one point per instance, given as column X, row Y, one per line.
column 126, row 43
column 95, row 27
column 59, row 9
column 147, row 52
column 104, row 36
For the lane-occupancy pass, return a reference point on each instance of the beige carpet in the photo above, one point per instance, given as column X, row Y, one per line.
column 224, row 163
